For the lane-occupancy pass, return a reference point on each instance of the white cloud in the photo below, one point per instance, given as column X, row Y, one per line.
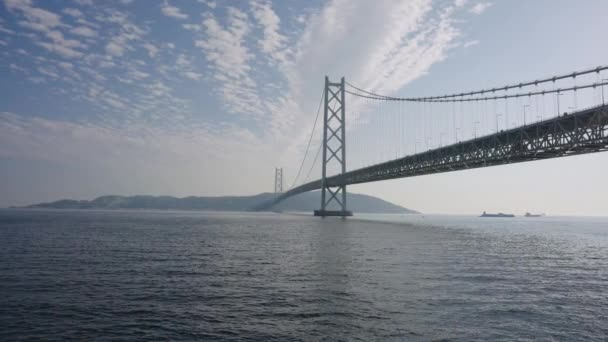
column 15, row 67
column 192, row 75
column 113, row 16
column 172, row 11
column 114, row 101
column 33, row 26
column 48, row 72
column 479, row 8
column 470, row 43
column 61, row 50
column 84, row 2
column 115, row 49
column 48, row 23
column 129, row 32
column 226, row 51
column 211, row 4
column 7, row 31
column 131, row 92
column 192, row 27
column 73, row 12
column 66, row 65
column 138, row 75
column 106, row 64
column 83, row 31
column 34, row 14
column 151, row 48
column 273, row 40
column 183, row 61
column 36, row 80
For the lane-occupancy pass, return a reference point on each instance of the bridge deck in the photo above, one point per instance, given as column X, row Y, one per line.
column 585, row 131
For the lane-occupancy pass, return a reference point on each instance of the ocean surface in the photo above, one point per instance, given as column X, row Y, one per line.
column 192, row 276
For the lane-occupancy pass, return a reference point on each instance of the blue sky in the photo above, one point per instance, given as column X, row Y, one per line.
column 207, row 97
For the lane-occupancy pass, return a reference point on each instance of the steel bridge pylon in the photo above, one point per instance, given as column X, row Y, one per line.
column 333, row 197
column 278, row 180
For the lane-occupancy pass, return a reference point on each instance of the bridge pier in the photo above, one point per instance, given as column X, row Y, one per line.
column 340, row 213
column 334, row 148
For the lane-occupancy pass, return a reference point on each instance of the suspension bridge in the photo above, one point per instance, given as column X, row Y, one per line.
column 396, row 137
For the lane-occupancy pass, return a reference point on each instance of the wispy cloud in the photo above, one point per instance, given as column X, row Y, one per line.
column 229, row 57
column 84, row 2
column 479, row 8
column 211, row 4
column 73, row 12
column 47, row 23
column 265, row 71
column 272, row 41
column 193, row 27
column 192, row 75
column 151, row 48
column 172, row 11
column 108, row 152
column 84, row 31
column 470, row 43
column 127, row 33
column 399, row 42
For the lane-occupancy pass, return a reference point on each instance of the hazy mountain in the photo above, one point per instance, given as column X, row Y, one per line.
column 304, row 202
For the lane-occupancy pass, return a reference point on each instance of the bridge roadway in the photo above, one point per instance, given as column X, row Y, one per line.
column 584, row 131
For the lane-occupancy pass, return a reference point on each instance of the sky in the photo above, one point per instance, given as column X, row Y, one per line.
column 206, row 98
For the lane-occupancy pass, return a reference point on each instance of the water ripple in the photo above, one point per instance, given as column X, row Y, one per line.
column 185, row 276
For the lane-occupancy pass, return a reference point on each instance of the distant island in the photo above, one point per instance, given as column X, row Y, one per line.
column 358, row 203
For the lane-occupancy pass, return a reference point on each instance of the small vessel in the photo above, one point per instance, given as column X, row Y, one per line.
column 534, row 215
column 496, row 215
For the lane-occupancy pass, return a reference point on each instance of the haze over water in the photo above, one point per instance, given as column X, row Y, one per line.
column 83, row 275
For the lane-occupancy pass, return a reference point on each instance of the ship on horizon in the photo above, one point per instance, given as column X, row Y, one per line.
column 533, row 215
column 496, row 215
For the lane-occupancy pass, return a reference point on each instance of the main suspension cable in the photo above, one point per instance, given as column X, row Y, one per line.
column 314, row 162
column 518, row 95
column 375, row 96
column 469, row 99
column 312, row 132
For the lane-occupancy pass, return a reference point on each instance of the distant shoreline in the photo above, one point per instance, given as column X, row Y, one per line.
column 306, row 202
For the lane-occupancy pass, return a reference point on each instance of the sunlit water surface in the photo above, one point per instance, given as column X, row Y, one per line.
column 139, row 275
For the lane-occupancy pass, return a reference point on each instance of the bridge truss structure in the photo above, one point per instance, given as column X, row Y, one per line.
column 565, row 134
column 571, row 134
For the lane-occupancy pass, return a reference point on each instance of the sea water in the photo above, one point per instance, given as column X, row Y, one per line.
column 186, row 276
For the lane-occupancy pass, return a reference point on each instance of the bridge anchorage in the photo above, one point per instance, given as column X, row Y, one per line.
column 333, row 197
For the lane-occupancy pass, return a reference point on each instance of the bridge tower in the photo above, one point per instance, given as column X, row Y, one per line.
column 334, row 150
column 278, row 180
